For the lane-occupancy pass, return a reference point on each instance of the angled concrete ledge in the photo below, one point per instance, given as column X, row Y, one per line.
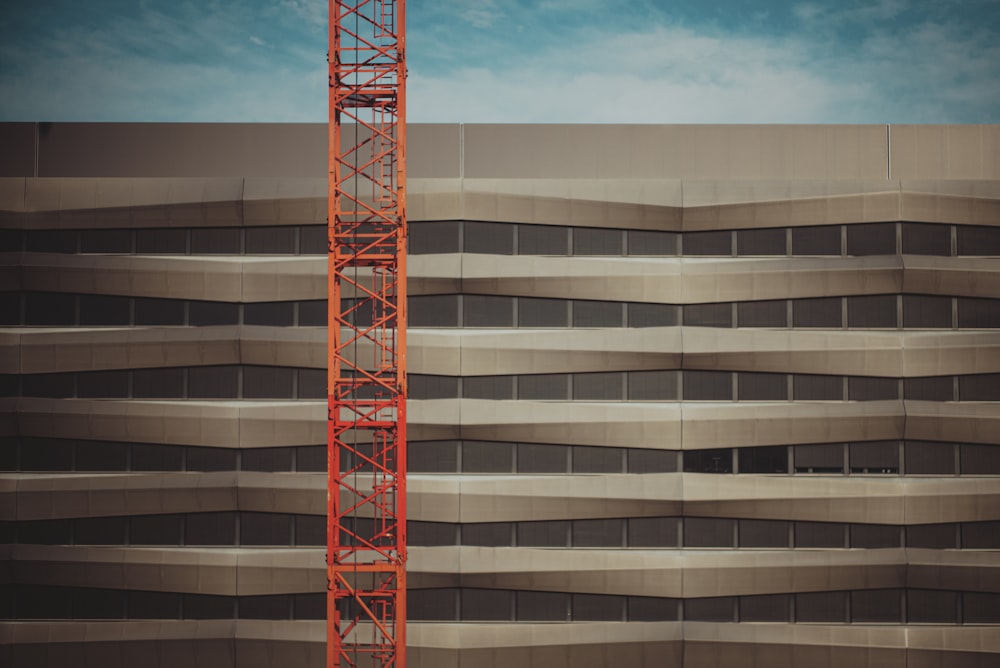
column 228, row 278
column 54, row 496
column 665, row 573
column 241, row 571
column 865, row 500
column 223, row 423
column 473, row 352
column 657, row 425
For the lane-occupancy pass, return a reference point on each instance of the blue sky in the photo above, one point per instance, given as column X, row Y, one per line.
column 550, row 61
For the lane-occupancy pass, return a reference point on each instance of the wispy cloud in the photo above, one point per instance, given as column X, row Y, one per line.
column 841, row 13
column 662, row 75
column 646, row 61
column 313, row 11
column 918, row 71
column 479, row 13
column 161, row 63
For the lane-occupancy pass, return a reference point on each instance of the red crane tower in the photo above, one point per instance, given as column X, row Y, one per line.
column 366, row 501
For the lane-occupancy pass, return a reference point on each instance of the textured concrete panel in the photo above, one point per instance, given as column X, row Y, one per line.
column 52, row 497
column 78, row 349
column 18, row 140
column 963, row 277
column 175, row 277
column 956, row 422
column 689, row 573
column 746, row 424
column 183, row 149
column 678, row 151
column 623, row 425
column 214, row 423
column 125, row 194
column 680, row 281
column 945, row 151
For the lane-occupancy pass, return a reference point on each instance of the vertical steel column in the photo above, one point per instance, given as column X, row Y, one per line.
column 366, row 502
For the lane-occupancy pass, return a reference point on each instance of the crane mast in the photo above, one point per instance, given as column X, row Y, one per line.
column 366, row 377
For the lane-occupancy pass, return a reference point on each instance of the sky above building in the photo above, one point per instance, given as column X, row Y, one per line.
column 513, row 61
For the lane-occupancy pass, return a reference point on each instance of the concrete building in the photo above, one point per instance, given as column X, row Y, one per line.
column 681, row 395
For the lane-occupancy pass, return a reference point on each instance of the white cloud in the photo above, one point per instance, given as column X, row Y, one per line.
column 569, row 5
column 831, row 15
column 150, row 66
column 680, row 75
column 156, row 66
column 312, row 11
column 479, row 13
column 134, row 91
column 807, row 11
column 665, row 75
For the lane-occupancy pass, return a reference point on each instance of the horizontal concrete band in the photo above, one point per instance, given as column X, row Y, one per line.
column 471, row 352
column 655, row 425
column 694, row 426
column 708, row 280
column 506, row 498
column 874, row 152
column 659, row 573
column 49, row 350
column 662, row 280
column 584, row 200
column 592, row 645
column 227, row 424
column 701, row 573
column 209, row 570
column 900, row 501
column 232, row 278
column 907, row 354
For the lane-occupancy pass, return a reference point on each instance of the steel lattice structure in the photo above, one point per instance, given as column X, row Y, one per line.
column 366, row 525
